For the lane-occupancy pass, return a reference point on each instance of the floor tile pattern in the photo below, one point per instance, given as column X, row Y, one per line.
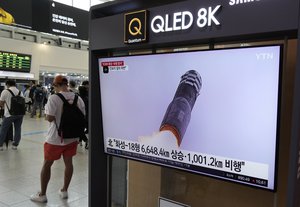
column 20, row 171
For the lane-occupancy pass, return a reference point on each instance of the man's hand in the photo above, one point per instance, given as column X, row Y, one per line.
column 49, row 118
column 2, row 103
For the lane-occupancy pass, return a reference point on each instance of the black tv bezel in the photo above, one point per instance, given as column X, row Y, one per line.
column 279, row 91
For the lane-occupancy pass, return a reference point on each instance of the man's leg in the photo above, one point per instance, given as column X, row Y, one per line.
column 18, row 124
column 40, row 108
column 33, row 111
column 4, row 128
column 68, row 172
column 45, row 175
column 29, row 107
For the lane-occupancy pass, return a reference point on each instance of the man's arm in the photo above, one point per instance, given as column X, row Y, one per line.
column 49, row 118
column 2, row 104
column 3, row 97
column 50, row 108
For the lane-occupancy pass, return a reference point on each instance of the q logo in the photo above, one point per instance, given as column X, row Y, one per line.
column 135, row 27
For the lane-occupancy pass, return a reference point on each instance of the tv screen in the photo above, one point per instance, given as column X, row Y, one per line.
column 68, row 21
column 209, row 112
column 11, row 61
column 16, row 13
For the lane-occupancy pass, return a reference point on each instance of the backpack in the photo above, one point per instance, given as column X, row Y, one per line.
column 17, row 104
column 39, row 95
column 31, row 92
column 72, row 121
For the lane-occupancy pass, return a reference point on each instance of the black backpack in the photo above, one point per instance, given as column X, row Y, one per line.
column 31, row 92
column 17, row 104
column 39, row 95
column 72, row 122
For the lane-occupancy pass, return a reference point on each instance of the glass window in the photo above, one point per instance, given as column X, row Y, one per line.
column 67, row 2
column 95, row 2
column 82, row 4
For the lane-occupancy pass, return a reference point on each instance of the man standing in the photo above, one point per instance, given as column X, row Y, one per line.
column 55, row 146
column 5, row 101
column 72, row 86
column 32, row 89
column 38, row 96
column 28, row 100
column 83, row 93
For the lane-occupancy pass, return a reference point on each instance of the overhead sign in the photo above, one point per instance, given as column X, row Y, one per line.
column 236, row 2
column 135, row 27
column 17, row 75
column 197, row 21
column 184, row 20
column 68, row 21
column 10, row 61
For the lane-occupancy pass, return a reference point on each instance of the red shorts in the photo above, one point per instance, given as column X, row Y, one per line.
column 54, row 152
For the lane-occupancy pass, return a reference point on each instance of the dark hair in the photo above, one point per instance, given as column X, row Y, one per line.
column 64, row 82
column 60, row 80
column 82, row 91
column 72, row 83
column 85, row 83
column 10, row 82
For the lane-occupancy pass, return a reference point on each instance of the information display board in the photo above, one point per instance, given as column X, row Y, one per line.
column 10, row 61
column 210, row 112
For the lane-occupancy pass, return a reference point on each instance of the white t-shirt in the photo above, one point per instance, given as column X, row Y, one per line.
column 6, row 96
column 26, row 95
column 54, row 108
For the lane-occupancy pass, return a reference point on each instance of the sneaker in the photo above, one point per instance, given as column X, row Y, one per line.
column 38, row 198
column 1, row 148
column 14, row 147
column 63, row 194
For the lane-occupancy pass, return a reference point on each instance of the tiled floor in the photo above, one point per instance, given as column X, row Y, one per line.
column 20, row 171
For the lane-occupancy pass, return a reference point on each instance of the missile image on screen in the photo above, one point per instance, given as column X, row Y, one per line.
column 178, row 113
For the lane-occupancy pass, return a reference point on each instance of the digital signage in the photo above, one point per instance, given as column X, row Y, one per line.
column 16, row 13
column 68, row 21
column 210, row 112
column 10, row 61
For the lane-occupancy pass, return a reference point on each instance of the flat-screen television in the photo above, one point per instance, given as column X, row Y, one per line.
column 212, row 112
column 68, row 21
column 16, row 13
column 11, row 61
